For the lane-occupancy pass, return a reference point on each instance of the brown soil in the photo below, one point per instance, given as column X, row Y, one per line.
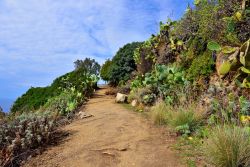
column 113, row 137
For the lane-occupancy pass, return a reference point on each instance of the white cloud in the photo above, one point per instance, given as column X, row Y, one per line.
column 40, row 40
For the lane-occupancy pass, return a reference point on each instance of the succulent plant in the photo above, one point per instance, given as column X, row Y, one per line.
column 246, row 82
column 224, row 68
column 213, row 46
column 245, row 54
column 228, row 49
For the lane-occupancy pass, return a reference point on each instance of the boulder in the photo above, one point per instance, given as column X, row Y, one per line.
column 134, row 103
column 121, row 98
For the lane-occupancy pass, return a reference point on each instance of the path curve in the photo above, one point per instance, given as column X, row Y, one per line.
column 113, row 137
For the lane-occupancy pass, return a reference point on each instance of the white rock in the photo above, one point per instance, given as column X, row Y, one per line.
column 134, row 103
column 120, row 98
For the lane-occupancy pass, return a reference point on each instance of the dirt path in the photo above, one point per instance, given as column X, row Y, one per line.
column 113, row 137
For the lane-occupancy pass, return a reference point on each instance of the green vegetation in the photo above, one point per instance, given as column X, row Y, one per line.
column 228, row 146
column 105, row 70
column 35, row 116
column 201, row 66
column 195, row 74
column 82, row 80
column 185, row 120
column 122, row 65
column 160, row 113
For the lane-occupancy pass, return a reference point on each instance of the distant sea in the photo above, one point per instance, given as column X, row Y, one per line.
column 6, row 104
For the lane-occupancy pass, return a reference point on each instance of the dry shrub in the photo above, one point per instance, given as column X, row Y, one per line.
column 111, row 91
column 160, row 113
column 19, row 138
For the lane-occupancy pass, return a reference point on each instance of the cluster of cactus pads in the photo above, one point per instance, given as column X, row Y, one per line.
column 25, row 133
column 233, row 59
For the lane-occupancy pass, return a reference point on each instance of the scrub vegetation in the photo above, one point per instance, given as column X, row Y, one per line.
column 195, row 76
column 37, row 115
column 192, row 76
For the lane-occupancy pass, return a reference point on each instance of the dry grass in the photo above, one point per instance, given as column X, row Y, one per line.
column 160, row 113
column 185, row 119
column 228, row 146
column 111, row 91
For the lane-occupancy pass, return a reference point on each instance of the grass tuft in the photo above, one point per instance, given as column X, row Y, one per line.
column 228, row 146
column 160, row 113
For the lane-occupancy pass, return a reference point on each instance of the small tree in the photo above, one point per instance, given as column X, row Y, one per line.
column 89, row 65
column 123, row 64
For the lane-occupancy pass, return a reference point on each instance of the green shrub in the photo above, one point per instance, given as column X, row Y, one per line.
column 65, row 103
column 34, row 98
column 228, row 146
column 144, row 95
column 122, row 65
column 201, row 66
column 160, row 113
column 105, row 70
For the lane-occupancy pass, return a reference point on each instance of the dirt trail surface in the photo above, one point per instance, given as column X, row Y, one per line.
column 113, row 137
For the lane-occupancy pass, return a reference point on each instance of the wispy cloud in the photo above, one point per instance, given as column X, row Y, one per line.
column 40, row 40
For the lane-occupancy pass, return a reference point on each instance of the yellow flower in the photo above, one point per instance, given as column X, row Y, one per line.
column 190, row 138
column 244, row 119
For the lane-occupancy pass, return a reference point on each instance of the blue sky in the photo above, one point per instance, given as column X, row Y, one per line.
column 40, row 40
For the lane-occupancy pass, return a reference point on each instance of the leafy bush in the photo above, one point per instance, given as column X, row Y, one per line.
column 160, row 113
column 122, row 64
column 105, row 70
column 144, row 95
column 137, row 83
column 163, row 80
column 65, row 103
column 201, row 66
column 228, row 146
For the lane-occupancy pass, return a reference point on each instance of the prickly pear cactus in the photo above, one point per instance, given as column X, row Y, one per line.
column 213, row 46
column 246, row 82
column 245, row 54
column 224, row 68
column 227, row 60
column 228, row 49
